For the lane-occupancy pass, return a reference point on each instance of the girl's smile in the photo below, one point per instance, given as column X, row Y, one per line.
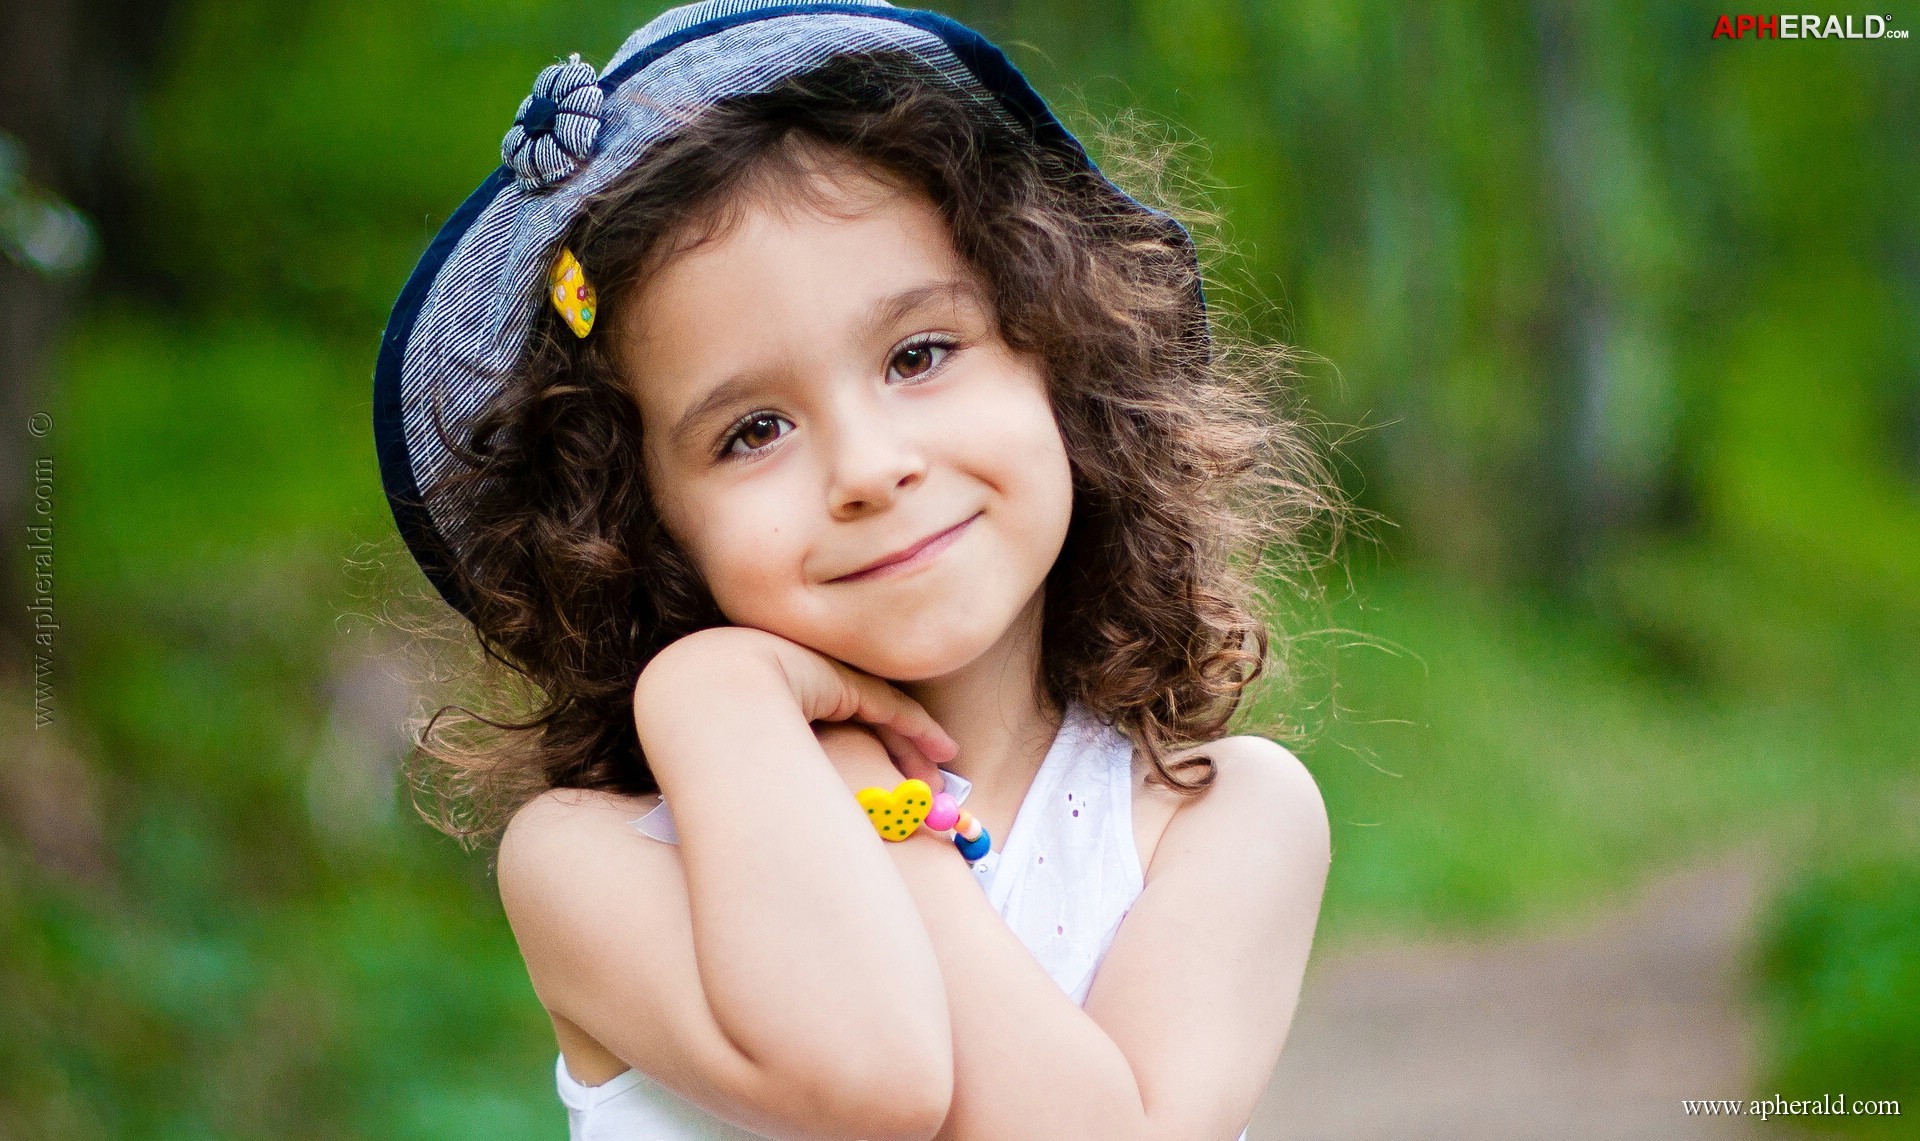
column 837, row 434
column 914, row 557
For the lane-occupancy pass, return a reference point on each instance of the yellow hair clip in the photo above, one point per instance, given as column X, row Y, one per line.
column 570, row 293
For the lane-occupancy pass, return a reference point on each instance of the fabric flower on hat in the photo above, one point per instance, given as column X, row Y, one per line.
column 555, row 128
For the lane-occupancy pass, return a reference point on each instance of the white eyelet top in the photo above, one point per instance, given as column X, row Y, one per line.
column 1063, row 877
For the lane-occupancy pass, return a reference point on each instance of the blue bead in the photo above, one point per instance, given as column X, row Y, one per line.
column 975, row 848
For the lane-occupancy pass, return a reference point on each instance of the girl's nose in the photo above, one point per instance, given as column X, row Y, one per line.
column 873, row 459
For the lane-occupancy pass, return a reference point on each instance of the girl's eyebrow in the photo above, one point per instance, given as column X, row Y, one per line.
column 885, row 312
column 888, row 310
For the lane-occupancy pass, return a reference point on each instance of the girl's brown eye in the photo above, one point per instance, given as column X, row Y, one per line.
column 919, row 359
column 915, row 360
column 757, row 432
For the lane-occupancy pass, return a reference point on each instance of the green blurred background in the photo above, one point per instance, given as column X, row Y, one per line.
column 1625, row 316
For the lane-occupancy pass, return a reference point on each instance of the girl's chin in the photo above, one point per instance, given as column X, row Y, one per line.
column 913, row 659
column 910, row 645
column 902, row 669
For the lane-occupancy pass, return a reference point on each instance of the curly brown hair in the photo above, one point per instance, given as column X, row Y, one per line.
column 1193, row 481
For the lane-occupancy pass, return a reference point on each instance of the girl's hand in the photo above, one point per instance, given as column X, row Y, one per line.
column 822, row 688
column 831, row 691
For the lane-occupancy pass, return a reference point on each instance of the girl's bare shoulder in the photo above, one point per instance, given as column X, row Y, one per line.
column 557, row 806
column 1237, row 760
column 1245, row 767
column 564, row 827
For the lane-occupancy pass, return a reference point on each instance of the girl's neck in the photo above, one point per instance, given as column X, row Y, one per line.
column 993, row 709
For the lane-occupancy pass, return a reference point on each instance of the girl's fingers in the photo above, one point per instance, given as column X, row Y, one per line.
column 909, row 759
column 832, row 691
column 885, row 708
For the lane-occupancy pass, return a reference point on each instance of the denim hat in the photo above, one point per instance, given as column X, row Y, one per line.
column 464, row 317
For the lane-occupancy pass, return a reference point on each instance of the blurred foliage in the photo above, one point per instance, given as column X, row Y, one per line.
column 239, row 976
column 1499, row 759
column 1628, row 314
column 311, row 150
column 1840, row 965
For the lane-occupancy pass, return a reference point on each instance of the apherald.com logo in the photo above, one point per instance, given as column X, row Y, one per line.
column 1804, row 27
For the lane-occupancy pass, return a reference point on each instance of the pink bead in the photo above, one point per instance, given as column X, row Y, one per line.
column 944, row 813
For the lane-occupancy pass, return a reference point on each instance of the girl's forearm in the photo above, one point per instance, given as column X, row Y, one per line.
column 812, row 955
column 1027, row 1061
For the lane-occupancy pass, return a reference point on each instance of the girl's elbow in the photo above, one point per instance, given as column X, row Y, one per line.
column 873, row 1109
column 907, row 1095
column 903, row 1096
column 908, row 1116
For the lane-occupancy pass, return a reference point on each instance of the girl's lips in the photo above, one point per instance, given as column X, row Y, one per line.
column 920, row 554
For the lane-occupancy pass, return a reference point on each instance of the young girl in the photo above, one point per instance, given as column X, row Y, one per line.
column 801, row 412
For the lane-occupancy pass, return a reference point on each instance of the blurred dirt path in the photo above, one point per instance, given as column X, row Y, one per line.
column 1596, row 1031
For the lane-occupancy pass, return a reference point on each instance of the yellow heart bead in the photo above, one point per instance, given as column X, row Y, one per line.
column 896, row 814
column 573, row 295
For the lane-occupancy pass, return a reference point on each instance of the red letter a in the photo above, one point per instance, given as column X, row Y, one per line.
column 1723, row 28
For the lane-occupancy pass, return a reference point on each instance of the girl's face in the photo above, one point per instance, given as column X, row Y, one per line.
column 839, row 438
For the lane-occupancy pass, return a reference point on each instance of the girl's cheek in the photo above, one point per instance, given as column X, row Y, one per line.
column 667, row 490
column 747, row 540
column 1035, row 433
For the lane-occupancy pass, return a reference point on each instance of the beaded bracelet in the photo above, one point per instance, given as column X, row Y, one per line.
column 897, row 814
